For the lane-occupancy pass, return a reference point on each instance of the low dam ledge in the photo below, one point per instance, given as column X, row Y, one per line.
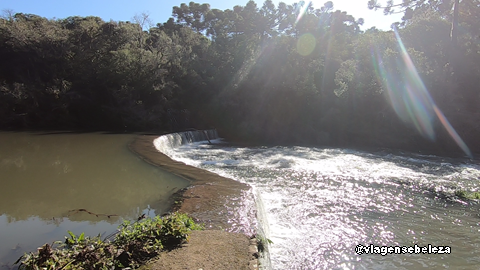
column 225, row 206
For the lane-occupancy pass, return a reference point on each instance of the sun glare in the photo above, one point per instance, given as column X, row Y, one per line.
column 306, row 44
column 410, row 98
column 302, row 9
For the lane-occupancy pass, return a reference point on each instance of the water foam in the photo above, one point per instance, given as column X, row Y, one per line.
column 319, row 203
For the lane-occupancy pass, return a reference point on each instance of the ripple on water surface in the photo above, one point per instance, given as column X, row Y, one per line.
column 321, row 203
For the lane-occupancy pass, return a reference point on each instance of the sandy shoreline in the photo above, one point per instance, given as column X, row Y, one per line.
column 213, row 200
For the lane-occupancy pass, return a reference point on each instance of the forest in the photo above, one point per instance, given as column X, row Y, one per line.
column 259, row 73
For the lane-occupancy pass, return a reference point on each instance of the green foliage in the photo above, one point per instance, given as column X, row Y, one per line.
column 75, row 253
column 133, row 245
column 262, row 243
column 82, row 72
column 246, row 71
column 462, row 194
column 74, row 240
column 170, row 231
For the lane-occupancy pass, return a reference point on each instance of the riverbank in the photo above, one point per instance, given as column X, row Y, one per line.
column 222, row 204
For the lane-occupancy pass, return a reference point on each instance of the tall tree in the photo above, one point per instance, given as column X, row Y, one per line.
column 408, row 7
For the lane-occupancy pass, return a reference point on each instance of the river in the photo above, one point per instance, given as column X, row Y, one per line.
column 318, row 205
column 47, row 177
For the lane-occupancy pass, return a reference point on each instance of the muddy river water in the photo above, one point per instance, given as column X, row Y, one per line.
column 89, row 182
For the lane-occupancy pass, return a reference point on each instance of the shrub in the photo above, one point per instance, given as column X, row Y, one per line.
column 133, row 245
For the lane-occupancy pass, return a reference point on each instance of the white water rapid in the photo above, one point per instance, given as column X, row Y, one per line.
column 321, row 204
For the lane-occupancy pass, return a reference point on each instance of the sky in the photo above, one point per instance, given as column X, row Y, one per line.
column 160, row 10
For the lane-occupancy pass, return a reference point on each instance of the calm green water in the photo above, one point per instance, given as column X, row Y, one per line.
column 44, row 177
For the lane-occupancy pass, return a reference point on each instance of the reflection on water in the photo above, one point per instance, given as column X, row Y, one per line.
column 46, row 179
column 320, row 203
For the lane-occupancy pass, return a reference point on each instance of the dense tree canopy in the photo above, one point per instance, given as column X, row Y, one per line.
column 280, row 74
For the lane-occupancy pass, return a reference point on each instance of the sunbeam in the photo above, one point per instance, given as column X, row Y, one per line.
column 247, row 66
column 410, row 98
column 302, row 10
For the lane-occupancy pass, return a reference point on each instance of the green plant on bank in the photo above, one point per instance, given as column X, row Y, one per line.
column 74, row 240
column 134, row 244
column 462, row 194
column 262, row 242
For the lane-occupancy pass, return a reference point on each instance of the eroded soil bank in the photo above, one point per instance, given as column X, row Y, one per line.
column 218, row 202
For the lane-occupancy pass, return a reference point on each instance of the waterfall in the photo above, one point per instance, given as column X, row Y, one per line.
column 169, row 144
column 166, row 143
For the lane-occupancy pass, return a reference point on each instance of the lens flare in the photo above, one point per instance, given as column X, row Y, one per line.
column 302, row 9
column 306, row 44
column 410, row 98
column 452, row 131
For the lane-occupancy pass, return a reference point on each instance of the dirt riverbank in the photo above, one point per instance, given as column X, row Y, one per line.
column 218, row 202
